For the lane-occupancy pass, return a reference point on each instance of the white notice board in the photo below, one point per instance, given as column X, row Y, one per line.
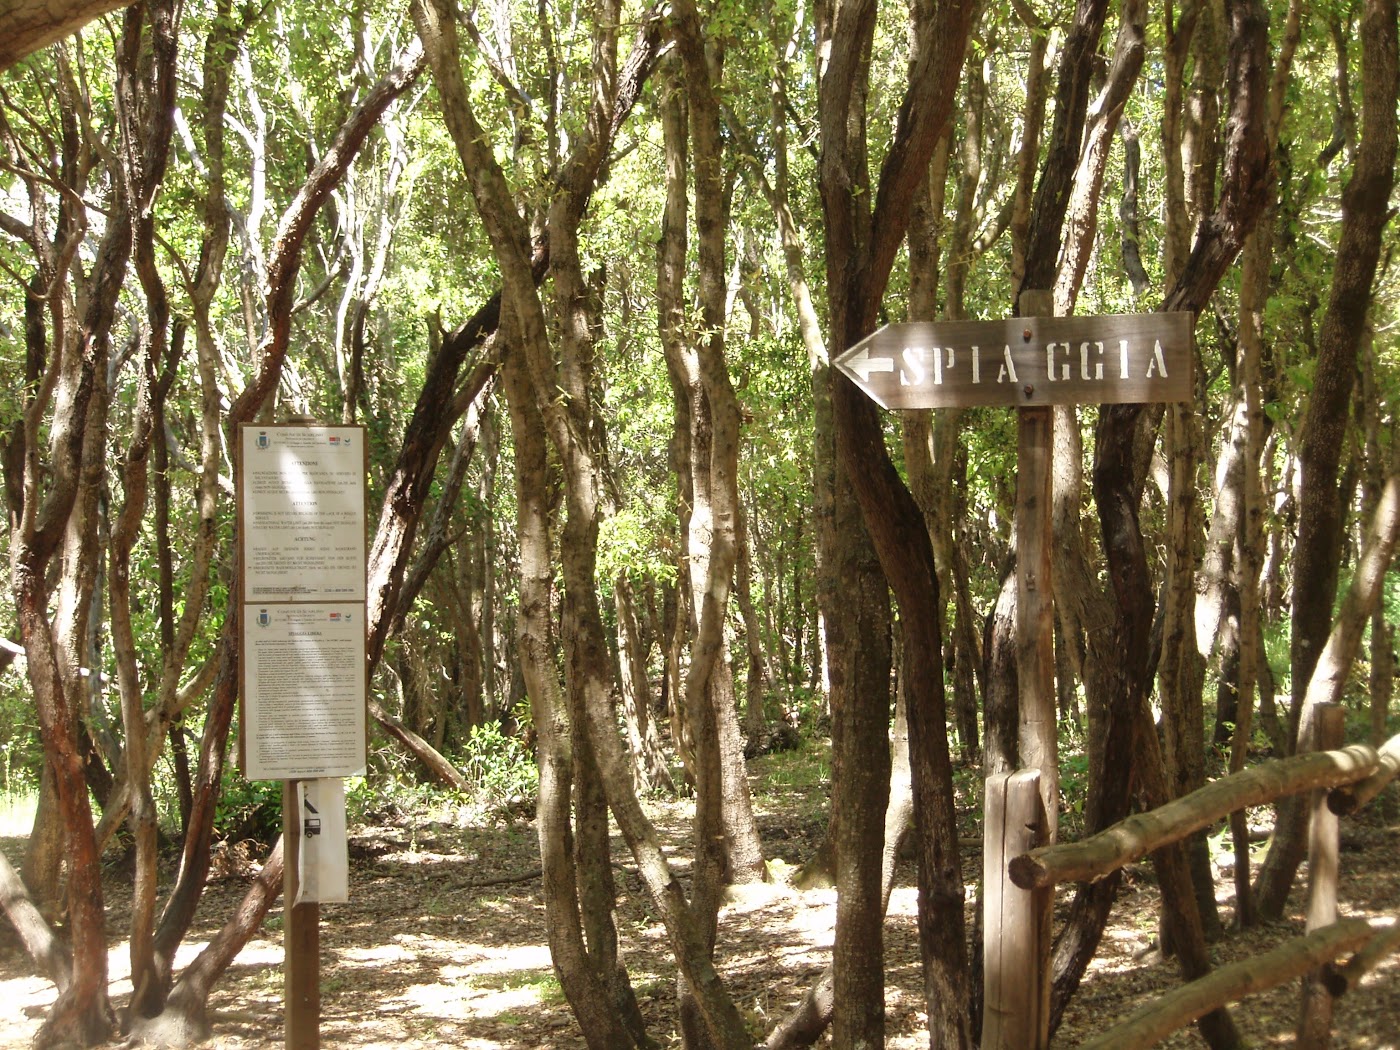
column 302, row 495
column 301, row 506
column 304, row 691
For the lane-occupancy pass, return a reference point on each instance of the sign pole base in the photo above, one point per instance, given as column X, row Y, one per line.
column 301, row 938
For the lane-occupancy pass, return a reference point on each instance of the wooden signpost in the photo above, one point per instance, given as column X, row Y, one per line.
column 302, row 681
column 1030, row 363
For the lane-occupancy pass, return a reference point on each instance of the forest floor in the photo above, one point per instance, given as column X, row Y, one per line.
column 443, row 943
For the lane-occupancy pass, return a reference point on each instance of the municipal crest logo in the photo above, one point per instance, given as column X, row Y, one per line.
column 263, row 440
column 264, row 618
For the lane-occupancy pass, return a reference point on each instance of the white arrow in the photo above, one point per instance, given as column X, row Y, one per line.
column 863, row 365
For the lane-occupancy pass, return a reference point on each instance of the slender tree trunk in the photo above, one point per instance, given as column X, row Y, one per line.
column 532, row 382
column 583, row 985
column 1117, row 491
column 1181, row 668
column 1102, row 119
column 759, row 681
column 714, row 454
column 931, row 457
column 1365, row 207
column 1233, row 581
column 59, row 511
column 649, row 762
column 1383, row 662
column 184, row 1021
column 694, row 703
column 804, row 1025
column 861, row 243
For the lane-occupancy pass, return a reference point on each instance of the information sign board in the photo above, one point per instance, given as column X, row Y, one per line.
column 304, row 691
column 301, row 500
column 303, row 503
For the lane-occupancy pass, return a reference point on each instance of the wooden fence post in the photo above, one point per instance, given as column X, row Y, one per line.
column 1315, row 1012
column 1016, row 985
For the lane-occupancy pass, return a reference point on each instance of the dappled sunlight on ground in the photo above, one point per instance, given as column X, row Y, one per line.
column 443, row 944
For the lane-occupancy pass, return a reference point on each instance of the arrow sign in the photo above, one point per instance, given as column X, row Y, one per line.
column 862, row 365
column 1026, row 361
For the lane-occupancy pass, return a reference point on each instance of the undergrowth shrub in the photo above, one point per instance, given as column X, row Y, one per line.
column 248, row 809
column 499, row 768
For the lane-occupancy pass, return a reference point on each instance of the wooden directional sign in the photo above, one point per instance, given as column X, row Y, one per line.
column 1026, row 361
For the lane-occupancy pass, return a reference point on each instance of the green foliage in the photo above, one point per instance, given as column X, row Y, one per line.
column 19, row 786
column 500, row 770
column 21, row 754
column 801, row 769
column 502, row 779
column 248, row 809
column 391, row 797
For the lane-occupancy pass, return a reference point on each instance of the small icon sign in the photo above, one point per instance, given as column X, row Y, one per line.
column 311, row 824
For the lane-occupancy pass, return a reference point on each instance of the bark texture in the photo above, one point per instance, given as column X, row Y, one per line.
column 27, row 25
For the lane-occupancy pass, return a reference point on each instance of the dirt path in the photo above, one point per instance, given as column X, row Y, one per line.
column 427, row 955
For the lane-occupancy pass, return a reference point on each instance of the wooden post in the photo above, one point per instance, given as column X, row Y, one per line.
column 1035, row 640
column 301, row 938
column 1035, row 610
column 1015, row 1014
column 1328, row 725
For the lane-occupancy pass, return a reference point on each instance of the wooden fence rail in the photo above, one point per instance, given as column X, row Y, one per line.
column 1100, row 855
column 1348, row 798
column 1152, row 1023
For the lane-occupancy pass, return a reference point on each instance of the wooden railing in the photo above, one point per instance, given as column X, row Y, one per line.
column 1019, row 884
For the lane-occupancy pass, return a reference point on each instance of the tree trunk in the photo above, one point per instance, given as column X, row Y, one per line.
column 861, row 243
column 934, row 456
column 858, row 651
column 60, row 511
column 1102, row 118
column 804, row 1025
column 583, row 986
column 1181, row 670
column 1381, row 681
column 28, row 25
column 1001, row 696
column 50, row 954
column 609, row 1019
column 184, row 1020
column 649, row 761
column 1116, row 489
column 759, row 681
column 1365, row 205
column 42, row 868
column 931, row 456
column 82, row 1014
column 714, row 454
column 1130, row 729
